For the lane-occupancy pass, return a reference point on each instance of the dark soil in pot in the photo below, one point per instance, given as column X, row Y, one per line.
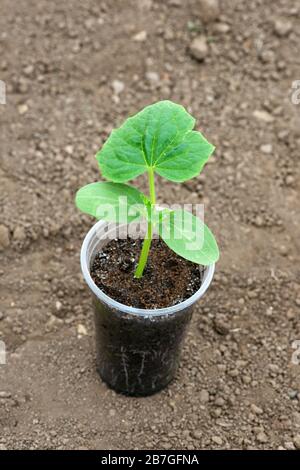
column 168, row 279
column 139, row 354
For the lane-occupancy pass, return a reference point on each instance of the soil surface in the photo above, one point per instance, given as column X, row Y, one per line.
column 74, row 70
column 168, row 279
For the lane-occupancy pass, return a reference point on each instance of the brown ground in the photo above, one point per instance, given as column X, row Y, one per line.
column 237, row 387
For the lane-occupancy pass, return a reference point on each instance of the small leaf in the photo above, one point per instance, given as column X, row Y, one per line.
column 113, row 202
column 186, row 160
column 188, row 236
column 158, row 137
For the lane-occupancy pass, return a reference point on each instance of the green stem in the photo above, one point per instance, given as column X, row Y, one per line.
column 147, row 241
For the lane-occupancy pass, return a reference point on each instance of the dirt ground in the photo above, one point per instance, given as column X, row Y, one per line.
column 74, row 70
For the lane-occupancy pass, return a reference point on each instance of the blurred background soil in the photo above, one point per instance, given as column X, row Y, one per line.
column 74, row 70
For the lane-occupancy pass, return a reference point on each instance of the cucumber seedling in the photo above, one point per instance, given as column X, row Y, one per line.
column 159, row 139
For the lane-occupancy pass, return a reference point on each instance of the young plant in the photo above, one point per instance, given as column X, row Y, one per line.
column 159, row 139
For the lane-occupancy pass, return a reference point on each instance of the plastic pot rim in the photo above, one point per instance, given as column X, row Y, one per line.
column 111, row 303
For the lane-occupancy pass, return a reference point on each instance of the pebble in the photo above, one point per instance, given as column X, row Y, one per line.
column 22, row 108
column 81, row 330
column 258, row 221
column 221, row 327
column 204, row 396
column 283, row 250
column 208, row 10
column 140, row 37
column 4, row 394
column 222, row 28
column 246, row 379
column 4, row 237
column 199, row 48
column 58, row 306
column 197, row 434
column 262, row 437
column 217, row 440
column 266, row 149
column 291, row 315
column 256, row 410
column 297, row 441
column 1, row 316
column 2, row 447
column 289, row 180
column 263, row 116
column 282, row 27
column 118, row 86
column 220, row 402
column 152, row 77
column 28, row 70
column 289, row 446
column 19, row 234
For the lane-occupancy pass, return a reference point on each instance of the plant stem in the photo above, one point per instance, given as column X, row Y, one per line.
column 147, row 241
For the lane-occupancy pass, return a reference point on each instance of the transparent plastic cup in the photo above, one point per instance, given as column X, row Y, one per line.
column 137, row 349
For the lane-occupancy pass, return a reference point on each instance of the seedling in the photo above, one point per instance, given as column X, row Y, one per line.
column 159, row 139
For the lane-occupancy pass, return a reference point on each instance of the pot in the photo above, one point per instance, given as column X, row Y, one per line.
column 137, row 349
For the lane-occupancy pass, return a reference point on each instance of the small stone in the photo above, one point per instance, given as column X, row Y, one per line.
column 220, row 402
column 2, row 447
column 246, row 379
column 140, row 37
column 216, row 413
column 1, row 316
column 282, row 27
column 19, row 234
column 293, row 394
column 291, row 315
column 267, row 149
column 274, row 368
column 197, row 434
column 4, row 237
column 233, row 373
column 256, row 410
column 208, row 10
column 58, row 306
column 118, row 86
column 81, row 330
column 22, row 108
column 289, row 180
column 152, row 77
column 199, row 48
column 69, row 149
column 221, row 327
column 217, row 440
column 28, row 70
column 258, row 221
column 263, row 116
column 283, row 250
column 222, row 28
column 262, row 437
column 204, row 396
column 5, row 395
column 297, row 441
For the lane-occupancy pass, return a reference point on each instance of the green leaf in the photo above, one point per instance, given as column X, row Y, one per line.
column 113, row 202
column 161, row 137
column 188, row 236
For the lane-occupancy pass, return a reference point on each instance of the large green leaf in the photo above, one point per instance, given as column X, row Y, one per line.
column 188, row 236
column 113, row 202
column 161, row 137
